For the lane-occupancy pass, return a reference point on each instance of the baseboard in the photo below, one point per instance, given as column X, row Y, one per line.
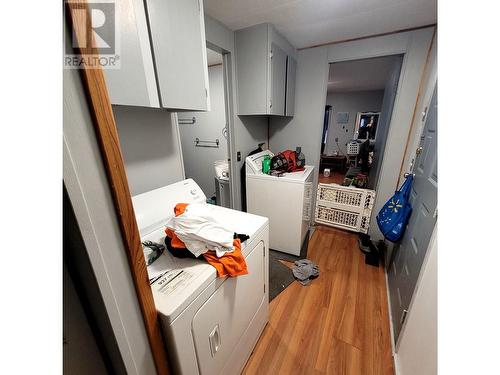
column 391, row 327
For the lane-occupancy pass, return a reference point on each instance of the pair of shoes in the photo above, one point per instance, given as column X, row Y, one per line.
column 373, row 257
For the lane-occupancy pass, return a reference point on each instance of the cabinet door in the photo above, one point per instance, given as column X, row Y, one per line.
column 134, row 82
column 252, row 64
column 278, row 81
column 219, row 324
column 291, row 67
column 178, row 36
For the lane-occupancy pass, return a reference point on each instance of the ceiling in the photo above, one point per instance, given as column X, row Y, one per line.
column 213, row 58
column 361, row 75
column 309, row 22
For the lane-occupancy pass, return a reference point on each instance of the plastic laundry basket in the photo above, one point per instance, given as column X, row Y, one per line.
column 344, row 207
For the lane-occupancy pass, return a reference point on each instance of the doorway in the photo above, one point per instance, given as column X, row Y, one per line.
column 358, row 109
column 205, row 138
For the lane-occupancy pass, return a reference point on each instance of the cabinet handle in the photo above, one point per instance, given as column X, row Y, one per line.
column 403, row 317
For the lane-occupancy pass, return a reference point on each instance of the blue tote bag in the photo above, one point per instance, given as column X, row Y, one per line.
column 393, row 217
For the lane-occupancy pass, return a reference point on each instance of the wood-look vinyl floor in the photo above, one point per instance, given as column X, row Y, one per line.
column 339, row 324
column 334, row 178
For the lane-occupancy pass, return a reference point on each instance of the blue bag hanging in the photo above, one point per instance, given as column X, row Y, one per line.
column 393, row 217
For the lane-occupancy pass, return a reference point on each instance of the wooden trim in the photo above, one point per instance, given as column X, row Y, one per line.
column 107, row 136
column 369, row 36
column 419, row 94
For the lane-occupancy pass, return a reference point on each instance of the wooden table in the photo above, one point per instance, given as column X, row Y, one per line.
column 335, row 163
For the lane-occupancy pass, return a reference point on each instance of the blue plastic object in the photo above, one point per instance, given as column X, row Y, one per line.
column 393, row 217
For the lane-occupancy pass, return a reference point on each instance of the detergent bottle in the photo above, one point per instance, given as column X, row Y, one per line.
column 266, row 164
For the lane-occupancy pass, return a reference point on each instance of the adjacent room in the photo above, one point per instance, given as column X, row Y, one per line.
column 358, row 110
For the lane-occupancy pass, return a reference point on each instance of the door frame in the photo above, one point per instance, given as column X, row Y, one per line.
column 227, row 57
column 221, row 39
column 228, row 100
column 100, row 110
column 415, row 46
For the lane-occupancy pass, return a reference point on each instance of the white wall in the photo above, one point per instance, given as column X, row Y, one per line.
column 417, row 353
column 150, row 144
column 81, row 355
column 199, row 161
column 87, row 185
column 351, row 102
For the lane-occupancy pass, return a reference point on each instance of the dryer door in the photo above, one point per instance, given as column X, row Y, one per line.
column 220, row 322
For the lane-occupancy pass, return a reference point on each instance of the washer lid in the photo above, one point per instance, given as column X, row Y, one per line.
column 153, row 208
column 186, row 278
column 254, row 162
column 297, row 177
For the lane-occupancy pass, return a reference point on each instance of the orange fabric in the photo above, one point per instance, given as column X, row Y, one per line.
column 180, row 208
column 176, row 242
column 231, row 264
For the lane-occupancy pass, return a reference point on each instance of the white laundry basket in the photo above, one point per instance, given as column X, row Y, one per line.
column 344, row 207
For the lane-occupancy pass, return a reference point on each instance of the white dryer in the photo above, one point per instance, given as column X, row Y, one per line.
column 285, row 200
column 211, row 324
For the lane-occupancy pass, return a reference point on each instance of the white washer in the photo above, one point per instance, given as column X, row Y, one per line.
column 285, row 200
column 211, row 324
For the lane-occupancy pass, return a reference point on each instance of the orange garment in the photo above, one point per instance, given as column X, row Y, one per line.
column 231, row 264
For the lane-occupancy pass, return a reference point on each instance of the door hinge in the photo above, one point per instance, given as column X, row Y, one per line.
column 199, row 6
column 270, row 103
column 424, row 114
column 271, row 54
column 206, row 92
column 403, row 317
column 435, row 214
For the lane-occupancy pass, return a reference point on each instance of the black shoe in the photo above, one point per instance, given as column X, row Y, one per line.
column 364, row 243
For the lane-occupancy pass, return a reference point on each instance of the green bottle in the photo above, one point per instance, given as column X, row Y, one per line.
column 266, row 164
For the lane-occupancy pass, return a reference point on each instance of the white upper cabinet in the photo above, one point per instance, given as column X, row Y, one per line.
column 262, row 71
column 134, row 82
column 178, row 34
column 163, row 61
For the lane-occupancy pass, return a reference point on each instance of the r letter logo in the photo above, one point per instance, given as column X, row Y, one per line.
column 94, row 35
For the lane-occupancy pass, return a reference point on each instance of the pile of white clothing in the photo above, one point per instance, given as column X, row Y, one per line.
column 200, row 232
